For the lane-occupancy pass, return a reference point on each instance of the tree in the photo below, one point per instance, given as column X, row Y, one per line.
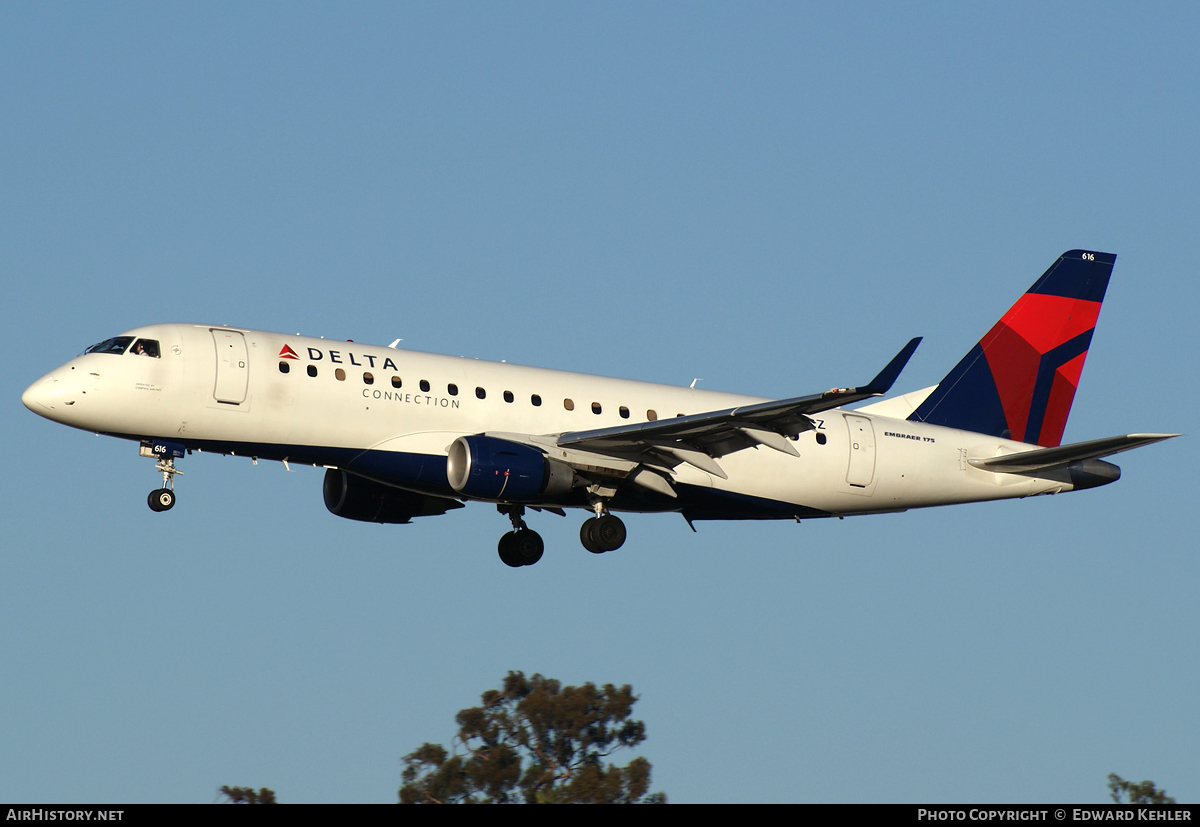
column 248, row 795
column 1144, row 793
column 535, row 741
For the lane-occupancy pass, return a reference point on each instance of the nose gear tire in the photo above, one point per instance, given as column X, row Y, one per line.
column 161, row 499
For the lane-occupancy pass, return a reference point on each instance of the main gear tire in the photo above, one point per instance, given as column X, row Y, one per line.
column 587, row 537
column 528, row 546
column 507, row 549
column 608, row 533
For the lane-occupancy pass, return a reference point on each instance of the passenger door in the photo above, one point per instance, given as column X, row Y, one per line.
column 232, row 367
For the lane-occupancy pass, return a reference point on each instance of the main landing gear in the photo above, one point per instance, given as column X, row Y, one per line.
column 522, row 546
column 163, row 499
column 604, row 532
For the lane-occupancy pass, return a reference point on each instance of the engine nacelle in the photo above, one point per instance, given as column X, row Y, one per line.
column 357, row 498
column 487, row 468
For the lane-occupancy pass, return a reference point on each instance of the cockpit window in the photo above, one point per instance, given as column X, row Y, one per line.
column 146, row 347
column 117, row 345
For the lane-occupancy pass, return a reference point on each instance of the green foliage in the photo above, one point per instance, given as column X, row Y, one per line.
column 1144, row 793
column 247, row 795
column 535, row 741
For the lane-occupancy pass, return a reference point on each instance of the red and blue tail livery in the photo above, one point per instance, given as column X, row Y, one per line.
column 1019, row 381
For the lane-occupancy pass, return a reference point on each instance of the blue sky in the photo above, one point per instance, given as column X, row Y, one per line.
column 771, row 197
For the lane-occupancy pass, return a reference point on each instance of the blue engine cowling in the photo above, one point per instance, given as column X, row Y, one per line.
column 487, row 468
column 357, row 498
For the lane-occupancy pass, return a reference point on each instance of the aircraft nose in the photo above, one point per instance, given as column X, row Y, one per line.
column 31, row 396
column 37, row 395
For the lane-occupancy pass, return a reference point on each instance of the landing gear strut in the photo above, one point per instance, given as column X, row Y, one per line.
column 604, row 532
column 163, row 499
column 522, row 546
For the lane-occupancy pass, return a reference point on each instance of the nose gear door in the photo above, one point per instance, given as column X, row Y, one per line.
column 232, row 367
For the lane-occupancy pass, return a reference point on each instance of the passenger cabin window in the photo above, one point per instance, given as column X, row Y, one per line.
column 284, row 367
column 508, row 396
column 651, row 415
column 624, row 412
column 596, row 409
column 340, row 374
column 480, row 393
column 117, row 345
column 425, row 386
column 146, row 347
column 568, row 404
column 535, row 400
column 312, row 370
column 395, row 381
column 452, row 390
column 368, row 378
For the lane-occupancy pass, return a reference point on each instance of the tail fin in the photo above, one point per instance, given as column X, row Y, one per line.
column 1019, row 381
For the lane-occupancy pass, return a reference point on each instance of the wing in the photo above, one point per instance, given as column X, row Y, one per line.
column 699, row 439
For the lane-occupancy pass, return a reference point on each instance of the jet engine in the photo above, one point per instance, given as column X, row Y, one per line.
column 487, row 468
column 357, row 498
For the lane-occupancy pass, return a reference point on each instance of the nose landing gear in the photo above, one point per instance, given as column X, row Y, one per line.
column 163, row 499
column 522, row 546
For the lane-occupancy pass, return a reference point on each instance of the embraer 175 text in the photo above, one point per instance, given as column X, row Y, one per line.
column 406, row 434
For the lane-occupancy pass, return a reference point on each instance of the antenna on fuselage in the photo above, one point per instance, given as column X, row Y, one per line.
column 393, row 344
column 693, row 385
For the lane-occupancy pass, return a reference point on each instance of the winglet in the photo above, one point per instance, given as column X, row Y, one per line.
column 882, row 383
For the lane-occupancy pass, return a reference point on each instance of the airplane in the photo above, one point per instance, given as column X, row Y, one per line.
column 404, row 434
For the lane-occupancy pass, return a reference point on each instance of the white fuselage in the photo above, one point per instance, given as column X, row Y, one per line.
column 222, row 389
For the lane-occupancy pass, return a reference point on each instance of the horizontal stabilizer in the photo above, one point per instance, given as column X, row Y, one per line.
column 1044, row 458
